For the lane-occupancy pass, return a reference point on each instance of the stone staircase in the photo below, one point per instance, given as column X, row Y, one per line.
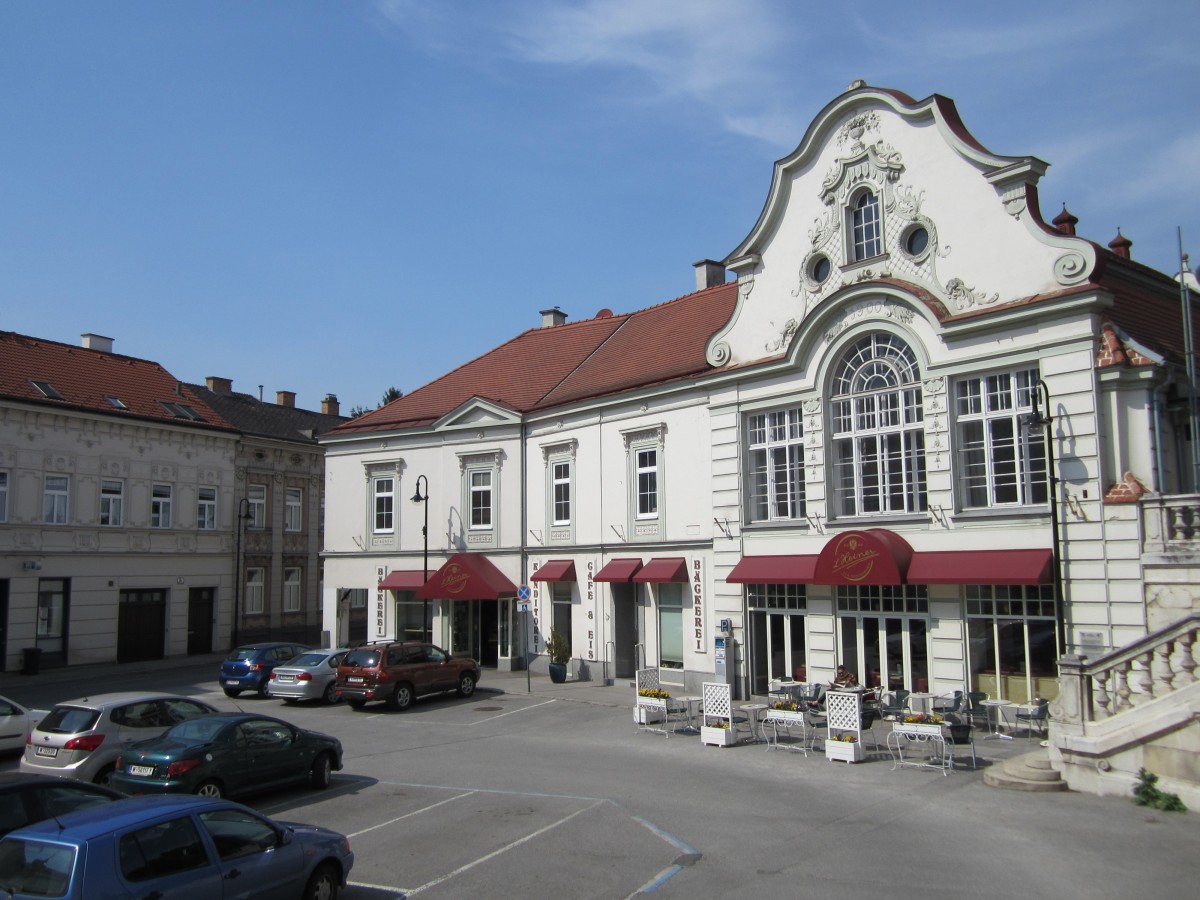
column 1028, row 772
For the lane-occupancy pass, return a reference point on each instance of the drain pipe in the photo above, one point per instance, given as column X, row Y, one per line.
column 1159, row 395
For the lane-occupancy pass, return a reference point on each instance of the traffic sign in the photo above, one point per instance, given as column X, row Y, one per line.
column 523, row 592
column 522, row 606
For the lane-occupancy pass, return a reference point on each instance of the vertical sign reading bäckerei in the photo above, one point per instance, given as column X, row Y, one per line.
column 697, row 588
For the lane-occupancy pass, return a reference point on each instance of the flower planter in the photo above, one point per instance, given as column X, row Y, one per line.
column 917, row 728
column 718, row 737
column 844, row 751
column 649, row 712
column 787, row 716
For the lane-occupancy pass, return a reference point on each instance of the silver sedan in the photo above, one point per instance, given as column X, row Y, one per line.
column 310, row 676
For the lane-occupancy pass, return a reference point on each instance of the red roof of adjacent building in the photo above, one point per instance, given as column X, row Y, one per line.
column 84, row 379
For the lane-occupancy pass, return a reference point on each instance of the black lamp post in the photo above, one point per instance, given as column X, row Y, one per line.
column 1041, row 418
column 243, row 514
column 418, row 497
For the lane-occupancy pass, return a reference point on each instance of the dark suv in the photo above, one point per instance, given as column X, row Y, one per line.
column 399, row 672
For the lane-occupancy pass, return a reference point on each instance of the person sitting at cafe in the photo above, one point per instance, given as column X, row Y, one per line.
column 844, row 678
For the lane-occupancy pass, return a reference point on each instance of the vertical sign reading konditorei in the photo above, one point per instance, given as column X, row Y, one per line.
column 698, row 629
column 589, row 592
column 535, row 607
column 380, row 603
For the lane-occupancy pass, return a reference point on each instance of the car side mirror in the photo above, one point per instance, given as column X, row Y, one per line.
column 286, row 837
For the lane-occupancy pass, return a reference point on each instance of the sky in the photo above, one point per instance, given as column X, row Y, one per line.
column 342, row 197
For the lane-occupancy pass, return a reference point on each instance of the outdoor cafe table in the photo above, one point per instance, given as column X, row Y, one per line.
column 995, row 710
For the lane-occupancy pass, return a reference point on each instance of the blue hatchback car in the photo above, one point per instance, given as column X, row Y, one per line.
column 180, row 847
column 249, row 667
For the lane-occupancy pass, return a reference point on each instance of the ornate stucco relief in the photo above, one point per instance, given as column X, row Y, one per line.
column 963, row 297
column 877, row 308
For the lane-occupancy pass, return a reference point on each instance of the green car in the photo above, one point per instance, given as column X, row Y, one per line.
column 227, row 754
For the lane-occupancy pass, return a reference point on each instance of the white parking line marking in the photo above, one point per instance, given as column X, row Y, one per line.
column 511, row 712
column 518, row 842
column 415, row 812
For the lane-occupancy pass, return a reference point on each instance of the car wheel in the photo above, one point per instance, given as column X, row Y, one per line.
column 323, row 885
column 357, row 704
column 466, row 685
column 211, row 789
column 262, row 691
column 232, row 692
column 331, row 694
column 321, row 772
column 105, row 776
column 402, row 697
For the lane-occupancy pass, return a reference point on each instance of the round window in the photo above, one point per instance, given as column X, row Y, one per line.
column 819, row 269
column 916, row 241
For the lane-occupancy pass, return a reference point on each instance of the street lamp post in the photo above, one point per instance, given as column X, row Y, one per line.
column 1041, row 418
column 418, row 497
column 243, row 514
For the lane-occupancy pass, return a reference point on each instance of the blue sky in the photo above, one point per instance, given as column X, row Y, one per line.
column 339, row 197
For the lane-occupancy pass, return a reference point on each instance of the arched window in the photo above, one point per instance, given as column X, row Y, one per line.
column 878, row 434
column 865, row 227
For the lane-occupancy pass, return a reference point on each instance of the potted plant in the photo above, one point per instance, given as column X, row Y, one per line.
column 559, row 652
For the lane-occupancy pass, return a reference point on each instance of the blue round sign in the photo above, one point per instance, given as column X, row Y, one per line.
column 523, row 592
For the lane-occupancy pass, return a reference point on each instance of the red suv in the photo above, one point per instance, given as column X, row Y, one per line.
column 399, row 672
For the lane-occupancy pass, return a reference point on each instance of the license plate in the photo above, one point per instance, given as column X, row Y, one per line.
column 287, row 678
column 353, row 679
column 232, row 682
column 45, row 751
column 141, row 771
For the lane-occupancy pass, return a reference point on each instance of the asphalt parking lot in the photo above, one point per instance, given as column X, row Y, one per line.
column 552, row 793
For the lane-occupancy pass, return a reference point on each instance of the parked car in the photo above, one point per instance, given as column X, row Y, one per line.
column 228, row 754
column 31, row 798
column 398, row 672
column 83, row 738
column 173, row 847
column 16, row 721
column 249, row 667
column 310, row 676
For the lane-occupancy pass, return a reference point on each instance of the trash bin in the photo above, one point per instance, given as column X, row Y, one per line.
column 32, row 660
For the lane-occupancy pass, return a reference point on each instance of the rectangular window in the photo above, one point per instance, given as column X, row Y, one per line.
column 561, row 612
column 52, row 611
column 112, row 501
column 358, row 598
column 160, row 506
column 206, row 508
column 55, row 494
column 647, row 483
column 1012, row 639
column 1001, row 460
column 776, row 461
column 670, row 626
column 867, row 233
column 256, row 589
column 291, row 590
column 293, row 502
column 257, row 495
column 3, row 496
column 385, row 500
column 561, row 475
column 481, row 498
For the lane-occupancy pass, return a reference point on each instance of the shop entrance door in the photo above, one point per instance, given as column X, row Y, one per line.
column 200, row 620
column 475, row 630
column 625, row 630
column 891, row 652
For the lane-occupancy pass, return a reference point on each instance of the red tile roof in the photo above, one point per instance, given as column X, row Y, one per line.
column 85, row 378
column 547, row 367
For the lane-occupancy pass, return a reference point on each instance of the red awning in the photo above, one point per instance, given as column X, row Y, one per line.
column 981, row 567
column 657, row 571
column 402, row 581
column 467, row 576
column 556, row 570
column 618, row 570
column 875, row 557
column 774, row 570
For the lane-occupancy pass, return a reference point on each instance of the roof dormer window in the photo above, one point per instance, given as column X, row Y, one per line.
column 115, row 402
column 47, row 390
column 181, row 411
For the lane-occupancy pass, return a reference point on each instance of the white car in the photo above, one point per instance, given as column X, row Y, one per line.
column 310, row 676
column 16, row 721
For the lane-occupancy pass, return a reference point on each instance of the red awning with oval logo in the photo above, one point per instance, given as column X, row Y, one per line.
column 402, row 581
column 875, row 556
column 467, row 576
column 555, row 570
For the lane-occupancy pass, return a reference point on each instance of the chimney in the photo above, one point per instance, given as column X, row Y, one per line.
column 285, row 398
column 1120, row 245
column 1065, row 222
column 330, row 406
column 552, row 318
column 97, row 342
column 219, row 385
column 709, row 273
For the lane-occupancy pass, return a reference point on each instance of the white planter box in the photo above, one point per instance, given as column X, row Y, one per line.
column 844, row 751
column 718, row 737
column 788, row 716
column 917, row 728
column 650, row 712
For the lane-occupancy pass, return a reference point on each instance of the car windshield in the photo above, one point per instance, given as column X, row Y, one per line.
column 307, row 659
column 69, row 720
column 35, row 868
column 361, row 658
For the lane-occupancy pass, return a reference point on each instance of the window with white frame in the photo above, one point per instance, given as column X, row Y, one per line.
column 384, row 490
column 670, row 625
column 160, row 506
column 206, row 508
column 480, row 484
column 291, row 590
column 560, row 481
column 3, row 496
column 878, row 431
column 293, row 504
column 865, row 227
column 646, row 465
column 1001, row 462
column 56, row 492
column 112, row 501
column 256, row 494
column 776, row 465
column 256, row 590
